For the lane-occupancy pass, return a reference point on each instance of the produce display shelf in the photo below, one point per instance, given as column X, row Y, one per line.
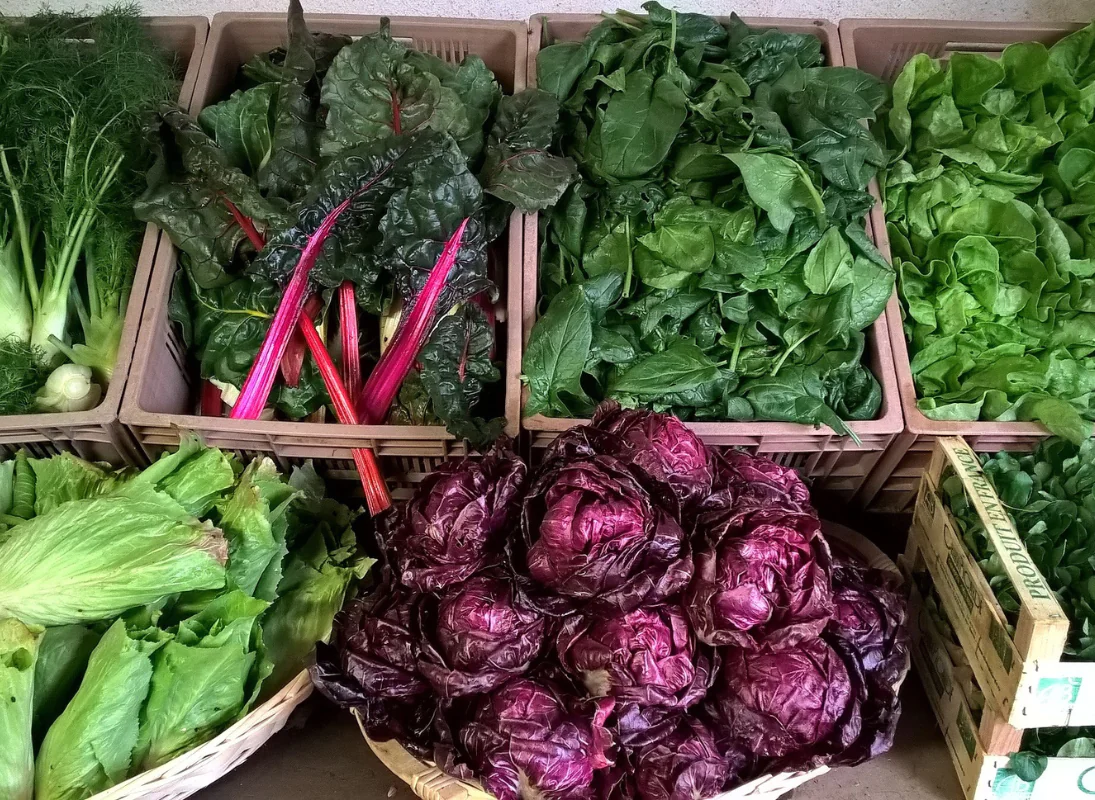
column 882, row 47
column 834, row 463
column 96, row 434
column 160, row 402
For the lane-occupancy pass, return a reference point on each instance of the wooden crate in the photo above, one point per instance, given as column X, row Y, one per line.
column 982, row 768
column 1026, row 684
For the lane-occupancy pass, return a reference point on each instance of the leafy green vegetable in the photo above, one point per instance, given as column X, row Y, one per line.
column 406, row 147
column 203, row 679
column 712, row 261
column 89, row 747
column 1050, row 496
column 320, row 573
column 194, row 589
column 63, row 653
column 103, row 555
column 18, row 653
column 988, row 205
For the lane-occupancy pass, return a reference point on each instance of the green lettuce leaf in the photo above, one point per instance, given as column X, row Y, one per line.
column 204, row 679
column 18, row 653
column 92, row 559
column 90, row 746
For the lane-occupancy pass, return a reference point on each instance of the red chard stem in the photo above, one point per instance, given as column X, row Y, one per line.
column 372, row 481
column 415, row 328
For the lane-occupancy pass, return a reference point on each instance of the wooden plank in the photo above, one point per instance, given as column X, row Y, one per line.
column 1021, row 674
column 1047, row 622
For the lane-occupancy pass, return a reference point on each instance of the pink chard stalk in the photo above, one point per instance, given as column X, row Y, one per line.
column 351, row 355
column 372, row 481
column 415, row 329
column 260, row 380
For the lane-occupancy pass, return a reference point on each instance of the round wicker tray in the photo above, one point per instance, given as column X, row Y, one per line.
column 193, row 771
column 430, row 783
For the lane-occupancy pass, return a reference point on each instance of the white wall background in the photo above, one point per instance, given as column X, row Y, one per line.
column 1041, row 10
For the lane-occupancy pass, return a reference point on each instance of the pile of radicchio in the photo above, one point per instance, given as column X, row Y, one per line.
column 642, row 617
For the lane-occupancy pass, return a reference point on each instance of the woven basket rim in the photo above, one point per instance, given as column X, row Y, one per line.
column 294, row 692
column 394, row 756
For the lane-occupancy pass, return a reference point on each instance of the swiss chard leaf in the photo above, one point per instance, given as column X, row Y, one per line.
column 456, row 363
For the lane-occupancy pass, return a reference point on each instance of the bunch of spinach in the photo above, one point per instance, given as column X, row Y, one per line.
column 397, row 147
column 989, row 203
column 712, row 259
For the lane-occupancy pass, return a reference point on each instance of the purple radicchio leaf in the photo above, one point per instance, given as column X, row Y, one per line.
column 529, row 740
column 764, row 576
column 647, row 660
column 593, row 537
column 663, row 453
column 475, row 638
column 785, row 703
column 454, row 524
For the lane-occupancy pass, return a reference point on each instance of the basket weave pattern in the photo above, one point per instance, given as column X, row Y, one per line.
column 193, row 771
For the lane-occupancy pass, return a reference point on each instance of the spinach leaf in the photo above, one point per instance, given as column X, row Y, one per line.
column 717, row 229
column 638, row 127
column 556, row 353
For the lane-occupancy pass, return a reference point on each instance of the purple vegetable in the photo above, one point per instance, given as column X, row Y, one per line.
column 869, row 613
column 526, row 740
column 783, row 702
column 685, row 765
column 661, row 450
column 480, row 638
column 869, row 630
column 760, row 577
column 378, row 646
column 593, row 535
column 372, row 669
column 737, row 470
column 646, row 659
column 454, row 524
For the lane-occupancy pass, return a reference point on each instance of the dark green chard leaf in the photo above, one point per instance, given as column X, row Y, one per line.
column 294, row 126
column 456, row 362
column 224, row 328
column 240, row 126
column 518, row 167
column 377, row 87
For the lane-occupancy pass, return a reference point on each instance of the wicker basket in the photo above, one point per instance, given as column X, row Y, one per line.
column 830, row 460
column 193, row 771
column 430, row 783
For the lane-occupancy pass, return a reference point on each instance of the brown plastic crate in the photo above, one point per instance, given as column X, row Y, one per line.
column 160, row 401
column 832, row 461
column 96, row 434
column 882, row 47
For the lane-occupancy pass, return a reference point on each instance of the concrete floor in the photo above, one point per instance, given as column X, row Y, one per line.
column 322, row 754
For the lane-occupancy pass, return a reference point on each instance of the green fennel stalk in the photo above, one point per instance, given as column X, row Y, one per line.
column 73, row 100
